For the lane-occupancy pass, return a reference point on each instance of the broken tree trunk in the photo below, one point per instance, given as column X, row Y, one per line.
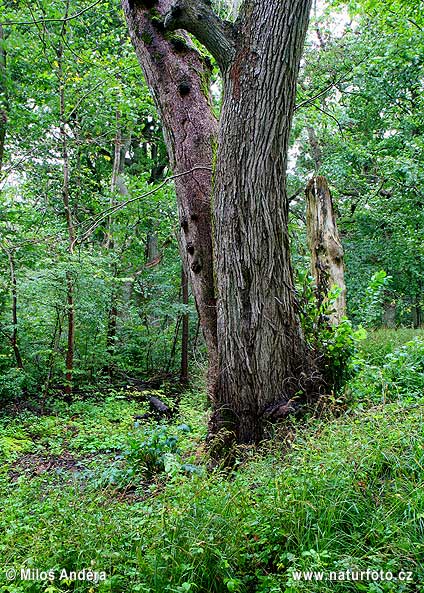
column 325, row 245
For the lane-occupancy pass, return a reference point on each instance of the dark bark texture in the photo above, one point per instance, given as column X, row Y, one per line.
column 264, row 365
column 178, row 78
column 265, row 369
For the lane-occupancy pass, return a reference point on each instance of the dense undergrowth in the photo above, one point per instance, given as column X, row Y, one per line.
column 85, row 487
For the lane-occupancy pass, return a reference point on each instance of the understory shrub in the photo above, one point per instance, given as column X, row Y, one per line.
column 335, row 345
column 401, row 375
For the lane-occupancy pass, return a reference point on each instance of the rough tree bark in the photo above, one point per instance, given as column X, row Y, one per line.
column 3, row 97
column 178, row 78
column 264, row 365
column 324, row 244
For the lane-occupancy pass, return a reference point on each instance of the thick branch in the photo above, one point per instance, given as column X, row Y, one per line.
column 198, row 18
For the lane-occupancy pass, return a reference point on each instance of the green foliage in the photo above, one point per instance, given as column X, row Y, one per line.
column 150, row 454
column 337, row 344
column 380, row 342
column 399, row 376
column 105, row 101
column 371, row 305
column 13, row 445
column 346, row 495
column 145, row 455
column 12, row 384
column 360, row 91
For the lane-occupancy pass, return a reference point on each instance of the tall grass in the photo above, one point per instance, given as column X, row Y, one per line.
column 347, row 495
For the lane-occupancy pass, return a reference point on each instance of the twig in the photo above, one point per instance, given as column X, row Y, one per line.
column 63, row 20
column 117, row 207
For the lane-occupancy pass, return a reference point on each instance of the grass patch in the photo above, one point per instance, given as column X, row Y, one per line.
column 381, row 342
column 347, row 496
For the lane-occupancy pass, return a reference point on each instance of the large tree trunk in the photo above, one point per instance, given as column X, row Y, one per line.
column 264, row 366
column 325, row 246
column 178, row 77
column 263, row 359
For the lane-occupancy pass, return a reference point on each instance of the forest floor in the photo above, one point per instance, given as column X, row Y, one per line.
column 87, row 486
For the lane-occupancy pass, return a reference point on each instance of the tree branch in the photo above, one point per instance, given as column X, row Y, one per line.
column 63, row 20
column 198, row 18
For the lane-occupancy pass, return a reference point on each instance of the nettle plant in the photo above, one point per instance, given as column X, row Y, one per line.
column 337, row 344
column 371, row 308
column 148, row 453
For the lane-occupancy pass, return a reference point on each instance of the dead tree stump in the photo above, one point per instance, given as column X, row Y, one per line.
column 325, row 246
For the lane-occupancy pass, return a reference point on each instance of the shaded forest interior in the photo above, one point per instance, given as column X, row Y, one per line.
column 211, row 316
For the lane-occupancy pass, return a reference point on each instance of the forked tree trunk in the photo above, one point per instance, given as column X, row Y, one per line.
column 178, row 77
column 325, row 246
column 264, row 366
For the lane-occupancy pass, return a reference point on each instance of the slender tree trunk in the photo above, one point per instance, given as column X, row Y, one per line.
column 111, row 330
column 14, row 293
column 185, row 329
column 325, row 246
column 15, row 346
column 3, row 97
column 417, row 314
column 120, row 181
column 178, row 77
column 116, row 168
column 69, row 361
column 70, row 306
column 116, row 177
column 54, row 347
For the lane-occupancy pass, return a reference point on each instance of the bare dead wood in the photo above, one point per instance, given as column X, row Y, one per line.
column 325, row 246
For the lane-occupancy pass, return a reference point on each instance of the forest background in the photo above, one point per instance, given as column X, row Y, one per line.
column 81, row 146
column 97, row 318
